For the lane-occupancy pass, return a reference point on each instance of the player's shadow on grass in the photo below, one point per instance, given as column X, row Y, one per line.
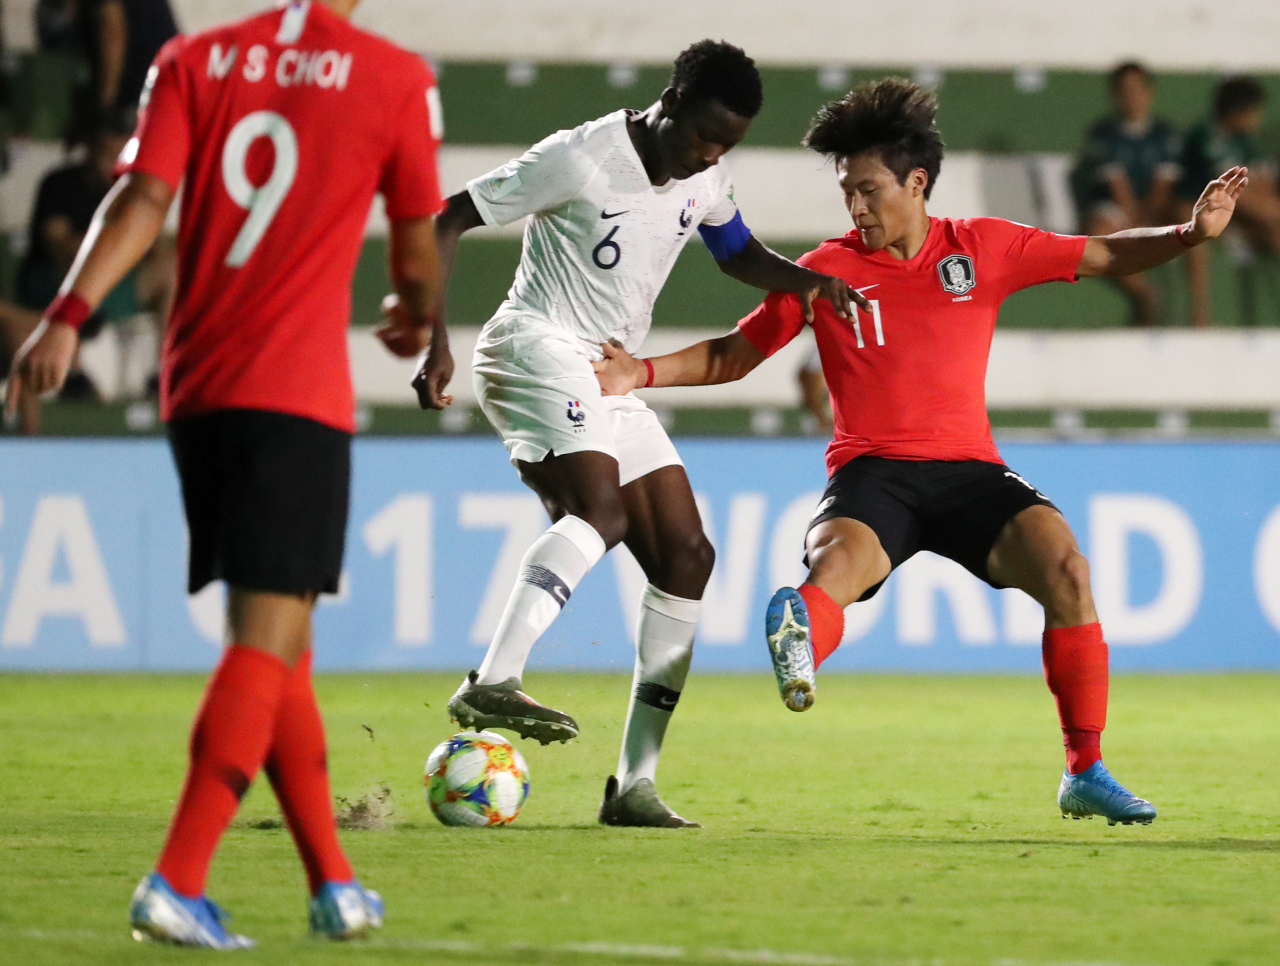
column 1203, row 845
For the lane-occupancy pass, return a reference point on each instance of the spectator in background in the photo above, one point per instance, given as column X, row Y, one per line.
column 1224, row 140
column 65, row 203
column 58, row 28
column 125, row 37
column 814, row 396
column 1127, row 174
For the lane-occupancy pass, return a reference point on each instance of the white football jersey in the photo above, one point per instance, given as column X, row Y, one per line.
column 601, row 239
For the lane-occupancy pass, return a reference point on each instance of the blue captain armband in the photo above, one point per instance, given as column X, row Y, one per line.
column 727, row 240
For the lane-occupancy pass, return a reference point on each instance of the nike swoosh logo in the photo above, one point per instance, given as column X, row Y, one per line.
column 612, row 214
column 666, row 702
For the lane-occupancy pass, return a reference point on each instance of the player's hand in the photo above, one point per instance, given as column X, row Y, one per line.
column 837, row 292
column 434, row 375
column 40, row 366
column 402, row 336
column 619, row 371
column 1217, row 204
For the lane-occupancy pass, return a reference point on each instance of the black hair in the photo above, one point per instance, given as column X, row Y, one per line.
column 894, row 117
column 1239, row 93
column 715, row 70
column 1128, row 67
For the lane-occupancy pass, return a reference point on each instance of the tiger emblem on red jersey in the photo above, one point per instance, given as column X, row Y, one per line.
column 957, row 274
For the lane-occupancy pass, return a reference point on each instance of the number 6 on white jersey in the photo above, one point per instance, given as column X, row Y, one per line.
column 262, row 203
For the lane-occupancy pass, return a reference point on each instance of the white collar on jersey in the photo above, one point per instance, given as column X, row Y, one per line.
column 293, row 22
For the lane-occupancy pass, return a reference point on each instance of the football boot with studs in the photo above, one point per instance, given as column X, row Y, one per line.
column 1095, row 792
column 505, row 705
column 638, row 807
column 159, row 914
column 345, row 910
column 786, row 627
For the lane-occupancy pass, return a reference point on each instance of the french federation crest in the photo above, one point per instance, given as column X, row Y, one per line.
column 957, row 274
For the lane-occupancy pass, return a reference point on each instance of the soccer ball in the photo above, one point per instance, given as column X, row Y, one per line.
column 476, row 778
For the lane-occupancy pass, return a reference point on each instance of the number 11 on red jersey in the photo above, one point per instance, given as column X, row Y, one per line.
column 875, row 321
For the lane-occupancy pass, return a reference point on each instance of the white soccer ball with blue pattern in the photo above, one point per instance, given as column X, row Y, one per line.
column 476, row 778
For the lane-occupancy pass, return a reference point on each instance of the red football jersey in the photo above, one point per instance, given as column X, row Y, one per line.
column 281, row 128
column 908, row 379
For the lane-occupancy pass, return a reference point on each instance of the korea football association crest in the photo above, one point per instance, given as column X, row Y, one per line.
column 957, row 274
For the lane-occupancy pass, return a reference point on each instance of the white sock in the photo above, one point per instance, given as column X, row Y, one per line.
column 664, row 648
column 553, row 567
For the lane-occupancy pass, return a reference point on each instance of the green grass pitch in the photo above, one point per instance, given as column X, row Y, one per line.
column 905, row 819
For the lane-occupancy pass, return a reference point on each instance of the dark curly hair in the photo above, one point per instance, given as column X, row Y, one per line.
column 1239, row 93
column 894, row 117
column 1120, row 71
column 715, row 70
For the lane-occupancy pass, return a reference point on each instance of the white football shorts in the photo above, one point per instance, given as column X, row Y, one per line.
column 535, row 384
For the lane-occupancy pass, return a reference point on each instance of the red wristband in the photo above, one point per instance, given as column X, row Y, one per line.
column 648, row 364
column 1182, row 231
column 70, row 309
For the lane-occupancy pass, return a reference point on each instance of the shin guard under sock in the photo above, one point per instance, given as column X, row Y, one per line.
column 552, row 568
column 664, row 648
column 297, row 766
column 826, row 622
column 1075, row 665
column 228, row 746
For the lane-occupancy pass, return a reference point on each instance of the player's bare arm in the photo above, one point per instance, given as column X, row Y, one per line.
column 414, row 316
column 709, row 363
column 1139, row 249
column 124, row 229
column 459, row 216
column 764, row 268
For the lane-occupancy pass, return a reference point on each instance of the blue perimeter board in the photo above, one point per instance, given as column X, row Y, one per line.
column 1184, row 539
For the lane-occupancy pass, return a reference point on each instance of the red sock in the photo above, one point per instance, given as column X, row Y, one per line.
column 1075, row 665
column 228, row 745
column 826, row 622
column 299, row 773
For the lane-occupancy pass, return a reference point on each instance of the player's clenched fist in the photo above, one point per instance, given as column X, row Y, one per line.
column 619, row 371
column 400, row 334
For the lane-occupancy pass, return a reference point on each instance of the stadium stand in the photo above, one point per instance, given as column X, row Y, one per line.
column 1012, row 136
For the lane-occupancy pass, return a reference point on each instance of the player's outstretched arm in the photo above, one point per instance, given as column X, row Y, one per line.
column 1138, row 249
column 709, row 363
column 764, row 268
column 124, row 228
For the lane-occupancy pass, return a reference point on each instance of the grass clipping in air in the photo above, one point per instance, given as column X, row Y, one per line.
column 371, row 812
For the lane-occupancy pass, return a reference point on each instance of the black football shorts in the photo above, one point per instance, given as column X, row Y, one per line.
column 266, row 497
column 955, row 509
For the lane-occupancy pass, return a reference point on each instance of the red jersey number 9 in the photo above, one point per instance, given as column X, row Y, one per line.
column 262, row 202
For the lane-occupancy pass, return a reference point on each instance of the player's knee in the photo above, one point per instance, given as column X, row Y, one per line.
column 1069, row 582
column 696, row 556
column 608, row 517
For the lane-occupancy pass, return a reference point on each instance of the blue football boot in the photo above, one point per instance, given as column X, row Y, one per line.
column 159, row 914
column 1095, row 792
column 786, row 628
column 345, row 910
